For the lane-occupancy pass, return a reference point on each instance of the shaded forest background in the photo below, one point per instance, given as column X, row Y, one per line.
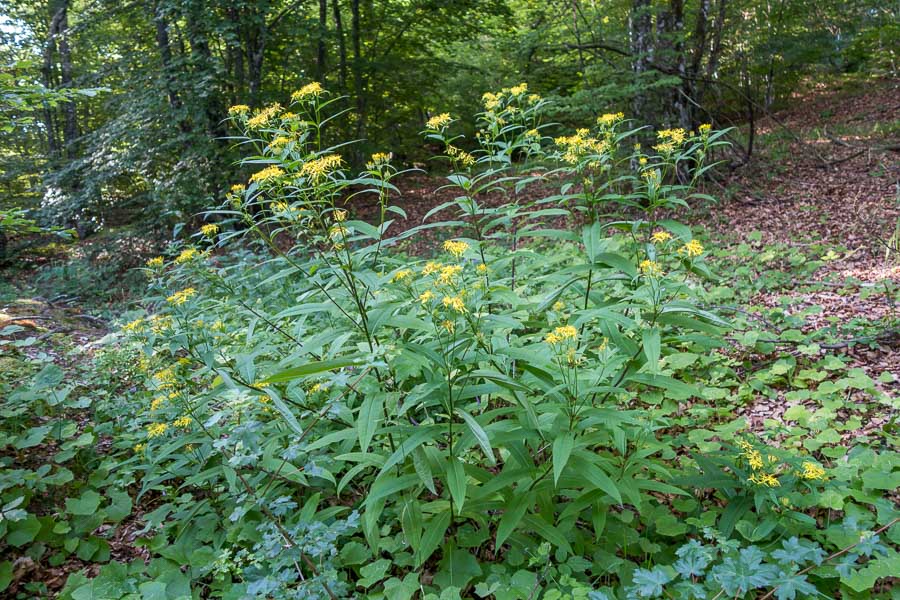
column 145, row 85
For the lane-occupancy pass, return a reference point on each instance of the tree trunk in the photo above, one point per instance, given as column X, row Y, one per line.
column 320, row 47
column 70, row 122
column 640, row 25
column 342, row 44
column 355, row 33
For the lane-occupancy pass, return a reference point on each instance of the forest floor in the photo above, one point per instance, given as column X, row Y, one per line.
column 810, row 215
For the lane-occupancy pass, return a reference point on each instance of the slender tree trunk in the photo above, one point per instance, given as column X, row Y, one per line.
column 70, row 122
column 165, row 54
column 49, row 79
column 323, row 34
column 342, row 44
column 640, row 49
column 355, row 34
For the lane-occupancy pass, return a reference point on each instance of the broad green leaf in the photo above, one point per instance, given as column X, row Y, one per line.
column 370, row 413
column 313, row 368
column 480, row 435
column 456, row 481
column 562, row 449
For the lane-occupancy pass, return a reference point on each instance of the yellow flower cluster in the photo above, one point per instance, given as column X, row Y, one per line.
column 454, row 302
column 401, row 275
column 561, row 334
column 156, row 262
column 157, row 402
column 579, row 145
column 340, row 215
column 450, row 326
column 757, row 464
column 447, row 275
column 518, row 90
column 705, row 128
column 157, row 429
column 431, row 267
column 182, row 422
column 310, row 90
column 438, row 121
column 456, row 247
column 669, row 140
column 650, row 268
column 461, row 156
column 209, row 230
column 426, row 296
column 238, row 109
column 179, row 298
column 691, row 249
column 187, row 255
column 279, row 142
column 812, row 471
column 266, row 174
column 482, row 268
column 610, row 119
column 319, row 167
column 558, row 306
column 134, row 326
column 263, row 116
column 379, row 159
column 659, row 237
column 238, row 188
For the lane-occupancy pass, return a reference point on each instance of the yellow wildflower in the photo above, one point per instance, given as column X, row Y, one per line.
column 448, row 274
column 157, row 262
column 561, row 334
column 812, row 471
column 461, row 156
column 310, row 90
column 266, row 174
column 340, row 215
column 650, row 268
column 319, row 167
column 674, row 136
column 157, row 402
column 692, row 248
column 559, row 306
column 450, row 326
column 431, row 267
column 454, row 302
column 157, row 429
column 279, row 142
column 764, row 479
column 426, row 296
column 519, row 89
column 133, row 326
column 456, row 248
column 754, row 459
column 610, row 119
column 238, row 109
column 482, row 268
column 379, row 159
column 187, row 255
column 660, row 237
column 182, row 422
column 209, row 230
column 139, row 448
column 179, row 298
column 642, row 160
column 705, row 128
column 438, row 121
column 401, row 275
column 263, row 116
column 491, row 100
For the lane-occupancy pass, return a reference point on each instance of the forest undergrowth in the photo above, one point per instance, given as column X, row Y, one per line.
column 520, row 402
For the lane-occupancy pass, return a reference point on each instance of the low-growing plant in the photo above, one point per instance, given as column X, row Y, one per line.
column 329, row 418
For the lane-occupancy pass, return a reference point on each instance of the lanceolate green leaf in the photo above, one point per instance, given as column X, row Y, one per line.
column 480, row 435
column 313, row 368
column 562, row 449
column 370, row 414
column 456, row 481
